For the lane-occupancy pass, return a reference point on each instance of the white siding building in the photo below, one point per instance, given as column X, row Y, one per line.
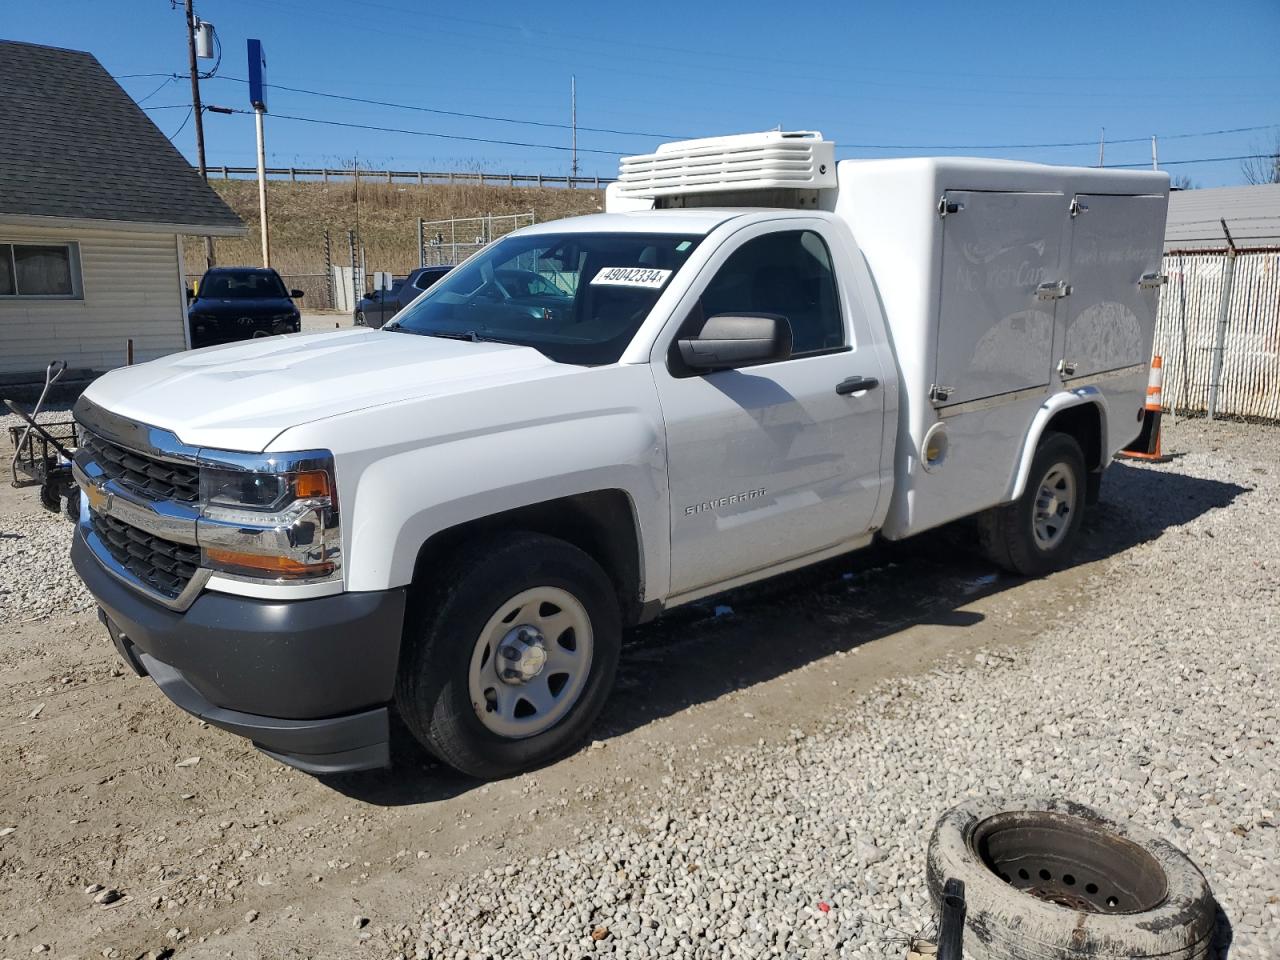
column 93, row 203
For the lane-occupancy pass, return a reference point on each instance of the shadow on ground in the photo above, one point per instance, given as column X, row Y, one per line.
column 694, row 654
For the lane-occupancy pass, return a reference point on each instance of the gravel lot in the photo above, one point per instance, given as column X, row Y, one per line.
column 778, row 750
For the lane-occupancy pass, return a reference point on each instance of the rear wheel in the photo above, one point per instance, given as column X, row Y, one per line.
column 360, row 321
column 514, row 655
column 1037, row 533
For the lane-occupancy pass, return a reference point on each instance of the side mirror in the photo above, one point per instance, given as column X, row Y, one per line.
column 191, row 294
column 295, row 294
column 737, row 340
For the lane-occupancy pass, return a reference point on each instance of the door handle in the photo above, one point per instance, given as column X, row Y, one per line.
column 856, row 385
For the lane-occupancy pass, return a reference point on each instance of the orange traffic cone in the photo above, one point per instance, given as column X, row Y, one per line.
column 1147, row 445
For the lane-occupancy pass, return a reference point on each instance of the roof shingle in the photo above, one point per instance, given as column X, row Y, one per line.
column 73, row 144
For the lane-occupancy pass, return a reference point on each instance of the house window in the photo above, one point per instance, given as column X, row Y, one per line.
column 49, row 270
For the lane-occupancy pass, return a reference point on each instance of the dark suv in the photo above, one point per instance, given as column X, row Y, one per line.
column 381, row 305
column 239, row 303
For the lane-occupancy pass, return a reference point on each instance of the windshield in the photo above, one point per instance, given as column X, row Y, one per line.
column 242, row 285
column 576, row 297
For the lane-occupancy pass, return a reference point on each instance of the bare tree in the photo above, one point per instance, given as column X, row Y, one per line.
column 1183, row 182
column 1264, row 168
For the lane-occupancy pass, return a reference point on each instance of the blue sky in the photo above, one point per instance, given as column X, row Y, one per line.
column 918, row 78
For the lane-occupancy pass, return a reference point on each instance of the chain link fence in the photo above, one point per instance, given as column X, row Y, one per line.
column 1218, row 332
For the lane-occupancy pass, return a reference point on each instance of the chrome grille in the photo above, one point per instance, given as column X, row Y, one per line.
column 163, row 565
column 157, row 479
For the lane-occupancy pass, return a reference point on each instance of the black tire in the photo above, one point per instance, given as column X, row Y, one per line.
column 359, row 319
column 1176, row 919
column 1006, row 534
column 432, row 686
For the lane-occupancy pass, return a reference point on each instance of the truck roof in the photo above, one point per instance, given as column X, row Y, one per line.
column 696, row 222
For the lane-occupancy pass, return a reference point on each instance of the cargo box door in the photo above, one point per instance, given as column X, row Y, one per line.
column 1109, row 319
column 995, row 334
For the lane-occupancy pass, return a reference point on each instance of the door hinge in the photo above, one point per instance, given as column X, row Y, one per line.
column 939, row 394
column 946, row 206
column 1077, row 207
column 1066, row 368
column 1150, row 281
column 1053, row 290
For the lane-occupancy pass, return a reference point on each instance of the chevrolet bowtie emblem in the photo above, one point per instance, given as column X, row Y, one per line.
column 99, row 499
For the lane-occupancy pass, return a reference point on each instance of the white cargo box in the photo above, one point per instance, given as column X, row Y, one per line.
column 1003, row 281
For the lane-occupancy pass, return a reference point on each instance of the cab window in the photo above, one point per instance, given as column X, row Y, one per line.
column 788, row 274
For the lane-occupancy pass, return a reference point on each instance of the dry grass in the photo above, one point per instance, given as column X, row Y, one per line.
column 301, row 212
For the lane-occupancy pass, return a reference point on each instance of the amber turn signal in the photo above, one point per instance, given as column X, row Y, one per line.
column 311, row 483
column 283, row 567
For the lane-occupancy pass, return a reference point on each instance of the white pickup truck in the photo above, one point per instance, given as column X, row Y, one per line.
column 758, row 358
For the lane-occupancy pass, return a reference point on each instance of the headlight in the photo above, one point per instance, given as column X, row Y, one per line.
column 270, row 517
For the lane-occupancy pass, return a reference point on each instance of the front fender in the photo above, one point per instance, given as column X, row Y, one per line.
column 1047, row 411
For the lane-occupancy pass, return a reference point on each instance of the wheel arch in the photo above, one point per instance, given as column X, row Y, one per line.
column 602, row 523
column 1081, row 414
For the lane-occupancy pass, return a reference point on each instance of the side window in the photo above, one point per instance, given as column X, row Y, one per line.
column 787, row 274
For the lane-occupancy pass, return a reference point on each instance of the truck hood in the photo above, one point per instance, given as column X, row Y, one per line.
column 244, row 395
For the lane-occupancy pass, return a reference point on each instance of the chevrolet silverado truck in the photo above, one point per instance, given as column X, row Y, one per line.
column 757, row 358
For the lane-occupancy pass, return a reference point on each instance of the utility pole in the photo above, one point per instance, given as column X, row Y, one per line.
column 197, row 111
column 1102, row 147
column 573, row 120
column 1155, row 156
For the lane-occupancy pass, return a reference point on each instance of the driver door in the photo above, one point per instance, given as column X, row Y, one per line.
column 769, row 463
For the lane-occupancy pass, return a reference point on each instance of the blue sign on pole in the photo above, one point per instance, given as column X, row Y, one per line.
column 257, row 76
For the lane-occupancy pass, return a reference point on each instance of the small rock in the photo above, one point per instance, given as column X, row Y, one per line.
column 359, row 922
column 599, row 933
column 92, row 888
column 109, row 895
column 251, row 916
column 189, row 762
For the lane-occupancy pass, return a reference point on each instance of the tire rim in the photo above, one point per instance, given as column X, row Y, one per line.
column 530, row 662
column 1055, row 506
column 1070, row 862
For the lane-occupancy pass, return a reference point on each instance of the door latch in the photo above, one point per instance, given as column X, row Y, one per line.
column 940, row 394
column 1053, row 290
column 1066, row 368
column 946, row 206
column 1077, row 207
column 1152, row 281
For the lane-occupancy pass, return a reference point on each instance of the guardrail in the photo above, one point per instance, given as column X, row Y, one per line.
column 420, row 177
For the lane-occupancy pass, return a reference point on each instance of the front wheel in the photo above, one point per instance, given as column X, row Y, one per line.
column 1037, row 533
column 514, row 655
column 360, row 319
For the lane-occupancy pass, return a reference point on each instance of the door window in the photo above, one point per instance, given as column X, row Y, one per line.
column 788, row 274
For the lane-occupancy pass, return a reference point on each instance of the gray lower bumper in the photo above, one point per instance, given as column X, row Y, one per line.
column 308, row 681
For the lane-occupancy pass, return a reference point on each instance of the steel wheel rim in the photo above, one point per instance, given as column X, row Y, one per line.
column 549, row 631
column 1055, row 506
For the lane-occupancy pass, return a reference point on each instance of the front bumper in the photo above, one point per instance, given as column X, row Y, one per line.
column 308, row 681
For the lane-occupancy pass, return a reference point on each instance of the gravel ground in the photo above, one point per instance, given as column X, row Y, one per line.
column 1156, row 704
column 34, row 580
column 781, row 749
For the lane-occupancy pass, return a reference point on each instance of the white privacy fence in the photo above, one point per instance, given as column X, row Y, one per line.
column 1221, row 357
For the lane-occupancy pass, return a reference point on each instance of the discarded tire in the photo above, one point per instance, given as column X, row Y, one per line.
column 1055, row 880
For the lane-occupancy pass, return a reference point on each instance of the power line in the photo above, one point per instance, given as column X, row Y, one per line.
column 163, row 84
column 1172, row 163
column 458, row 113
column 441, row 136
column 676, row 136
column 185, row 121
column 1045, row 146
